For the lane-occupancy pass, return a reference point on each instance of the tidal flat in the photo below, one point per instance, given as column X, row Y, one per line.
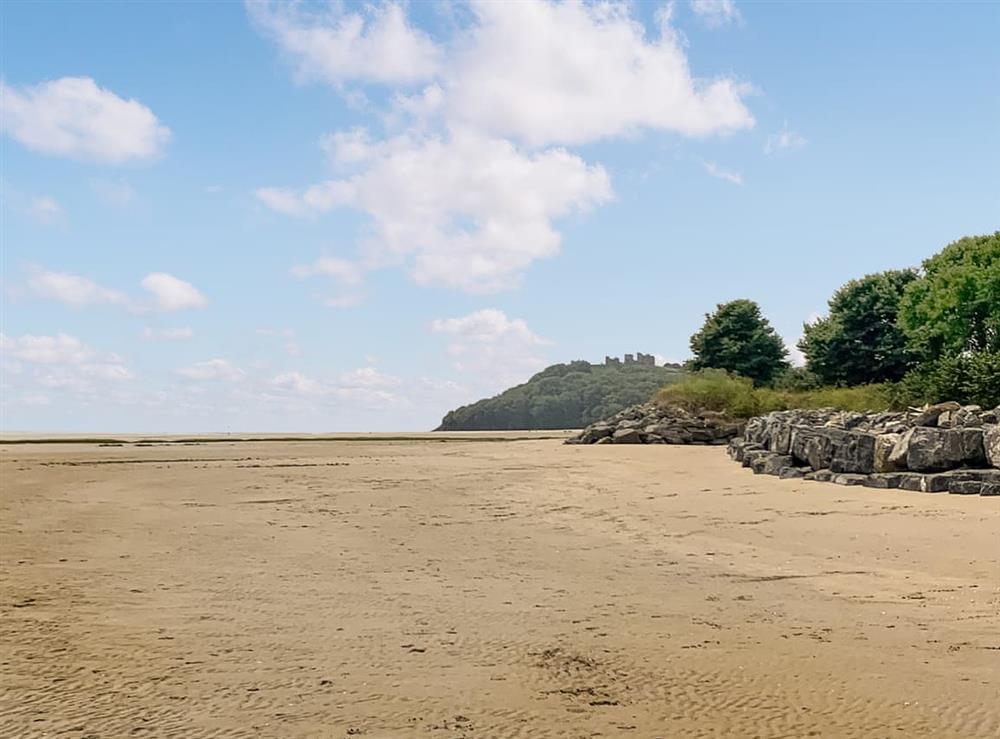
column 488, row 586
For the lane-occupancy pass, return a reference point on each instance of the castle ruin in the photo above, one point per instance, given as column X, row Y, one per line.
column 645, row 360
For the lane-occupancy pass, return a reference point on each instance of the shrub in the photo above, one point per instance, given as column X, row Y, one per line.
column 969, row 379
column 716, row 390
column 710, row 390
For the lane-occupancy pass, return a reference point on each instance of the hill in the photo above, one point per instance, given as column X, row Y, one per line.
column 563, row 396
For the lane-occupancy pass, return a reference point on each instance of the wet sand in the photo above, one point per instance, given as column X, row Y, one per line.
column 418, row 588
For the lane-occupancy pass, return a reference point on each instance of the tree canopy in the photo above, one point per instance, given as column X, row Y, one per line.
column 737, row 338
column 954, row 307
column 859, row 341
column 563, row 396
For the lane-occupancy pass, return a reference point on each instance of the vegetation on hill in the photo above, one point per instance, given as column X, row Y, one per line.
column 563, row 396
column 890, row 340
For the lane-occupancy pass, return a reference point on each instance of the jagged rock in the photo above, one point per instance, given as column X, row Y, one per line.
column 604, row 440
column 820, row 475
column 594, row 432
column 854, row 452
column 628, row 435
column 884, row 480
column 774, row 465
column 929, row 415
column 990, row 488
column 991, row 444
column 849, row 479
column 965, row 487
column 884, row 444
column 931, row 449
column 789, row 473
column 659, row 425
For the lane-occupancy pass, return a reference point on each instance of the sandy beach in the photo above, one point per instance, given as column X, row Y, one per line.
column 483, row 588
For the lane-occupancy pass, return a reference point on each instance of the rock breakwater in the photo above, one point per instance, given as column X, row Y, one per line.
column 942, row 448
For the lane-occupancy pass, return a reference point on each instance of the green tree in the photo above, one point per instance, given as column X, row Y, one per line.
column 859, row 341
column 954, row 307
column 738, row 338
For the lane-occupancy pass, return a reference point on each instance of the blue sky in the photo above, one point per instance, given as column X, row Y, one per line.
column 313, row 217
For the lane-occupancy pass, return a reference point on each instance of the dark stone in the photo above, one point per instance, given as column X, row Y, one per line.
column 819, row 475
column 855, row 452
column 793, row 473
column 935, row 450
column 775, row 464
column 929, row 416
column 991, row 444
column 883, row 480
column 849, row 479
column 627, row 436
column 965, row 487
column 990, row 488
column 594, row 432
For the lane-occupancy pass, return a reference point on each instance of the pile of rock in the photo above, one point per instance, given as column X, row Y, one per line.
column 941, row 448
column 653, row 424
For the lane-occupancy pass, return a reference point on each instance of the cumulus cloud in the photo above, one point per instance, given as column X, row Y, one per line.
column 368, row 377
column 74, row 117
column 468, row 211
column 212, row 369
column 364, row 387
column 171, row 293
column 377, row 45
column 496, row 350
column 570, row 72
column 73, row 290
column 168, row 293
column 715, row 13
column 723, row 174
column 63, row 361
column 467, row 193
column 784, row 140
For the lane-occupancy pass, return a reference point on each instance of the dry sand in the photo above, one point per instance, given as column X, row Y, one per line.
column 484, row 589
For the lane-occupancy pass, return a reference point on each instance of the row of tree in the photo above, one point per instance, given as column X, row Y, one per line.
column 934, row 331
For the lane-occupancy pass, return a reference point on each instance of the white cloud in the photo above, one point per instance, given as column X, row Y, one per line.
column 569, row 72
column 117, row 193
column 363, row 387
column 784, row 140
column 171, row 293
column 336, row 46
column 368, row 377
column 59, row 349
column 487, row 326
column 471, row 212
column 715, row 13
column 64, row 361
column 347, row 275
column 450, row 197
column 167, row 334
column 45, row 209
column 341, row 270
column 212, row 369
column 723, row 174
column 73, row 290
column 299, row 383
column 496, row 350
column 74, row 117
